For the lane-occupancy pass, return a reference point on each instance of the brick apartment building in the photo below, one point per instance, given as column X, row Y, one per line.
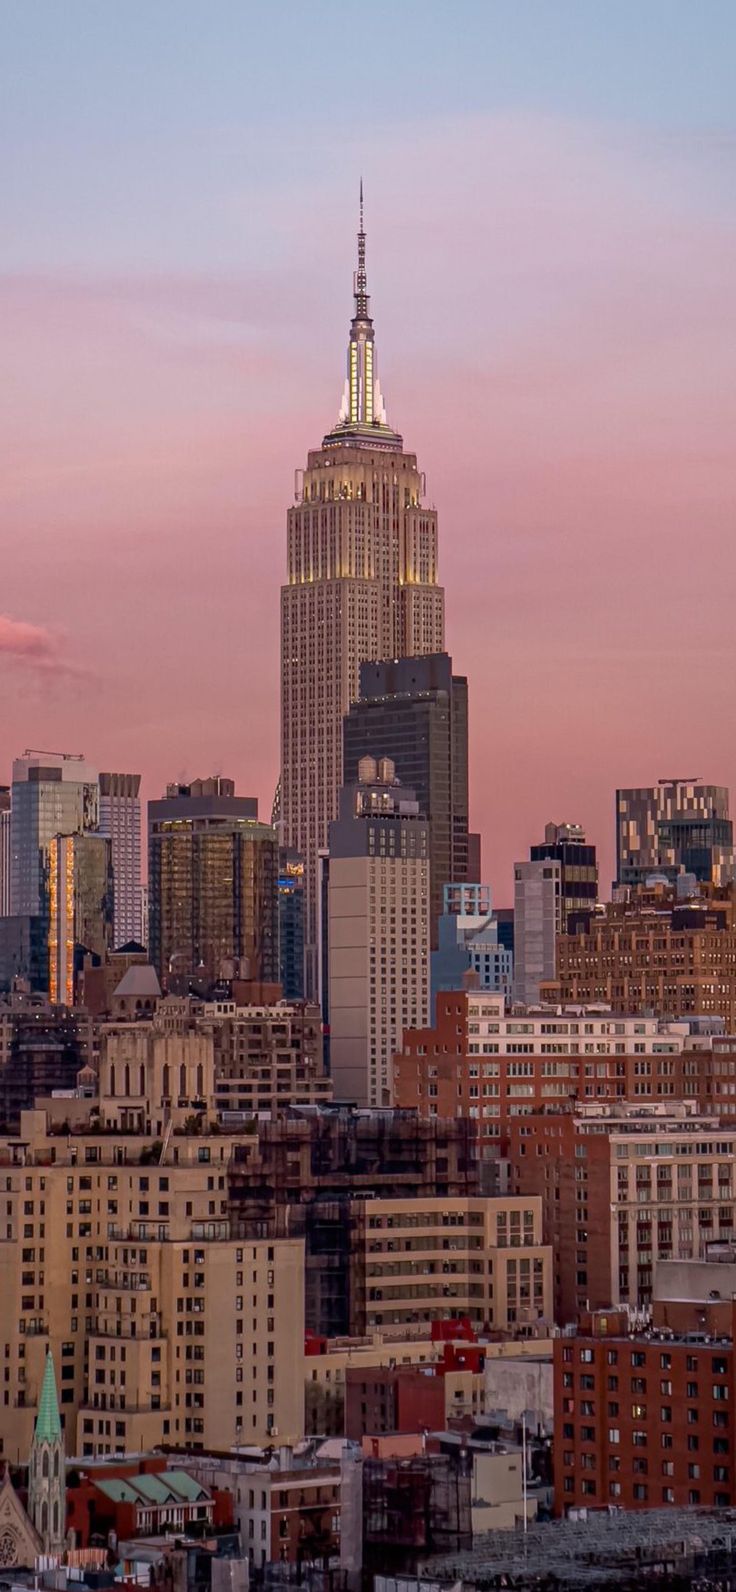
column 654, row 952
column 622, row 1186
column 644, row 1420
column 394, row 1399
column 494, row 1063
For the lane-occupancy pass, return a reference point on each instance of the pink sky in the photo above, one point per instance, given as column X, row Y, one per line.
column 556, row 338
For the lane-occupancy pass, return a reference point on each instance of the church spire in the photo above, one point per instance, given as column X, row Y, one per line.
column 362, row 409
column 48, row 1422
column 47, row 1471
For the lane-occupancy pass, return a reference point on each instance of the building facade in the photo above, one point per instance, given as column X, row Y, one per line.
column 291, row 924
column 120, row 821
column 166, row 1325
column 415, row 711
column 81, row 907
column 537, row 923
column 494, row 1064
column 566, row 844
column 213, row 874
column 623, row 1186
column 674, row 826
column 378, row 930
column 468, row 942
column 643, row 1419
column 304, row 1172
column 5, row 852
column 52, row 794
column 423, row 1260
column 654, row 953
column 267, row 1057
column 361, row 584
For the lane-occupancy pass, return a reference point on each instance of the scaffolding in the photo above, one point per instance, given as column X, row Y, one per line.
column 626, row 1549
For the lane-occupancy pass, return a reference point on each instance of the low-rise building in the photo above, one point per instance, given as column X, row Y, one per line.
column 463, row 1362
column 144, row 1495
column 286, row 1503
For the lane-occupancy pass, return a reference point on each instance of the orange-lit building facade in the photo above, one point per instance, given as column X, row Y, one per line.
column 653, row 953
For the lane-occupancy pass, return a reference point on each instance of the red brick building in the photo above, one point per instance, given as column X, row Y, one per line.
column 140, row 1497
column 624, row 1185
column 394, row 1399
column 495, row 1063
column 645, row 1420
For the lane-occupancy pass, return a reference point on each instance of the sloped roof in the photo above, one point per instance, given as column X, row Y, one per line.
column 152, row 1487
column 140, row 979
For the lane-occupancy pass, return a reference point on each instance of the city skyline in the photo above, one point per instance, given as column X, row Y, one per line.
column 550, row 271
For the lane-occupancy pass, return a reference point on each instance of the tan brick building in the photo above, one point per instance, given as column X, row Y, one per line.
column 117, row 1250
column 418, row 1260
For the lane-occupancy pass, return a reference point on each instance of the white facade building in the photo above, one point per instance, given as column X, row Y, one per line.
column 378, row 931
column 537, row 923
column 120, row 822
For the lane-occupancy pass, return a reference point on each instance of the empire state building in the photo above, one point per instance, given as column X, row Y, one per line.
column 361, row 585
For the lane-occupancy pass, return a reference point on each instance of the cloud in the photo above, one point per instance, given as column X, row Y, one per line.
column 31, row 642
column 39, row 648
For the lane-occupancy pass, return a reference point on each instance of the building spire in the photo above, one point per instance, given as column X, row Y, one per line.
column 360, row 282
column 48, row 1424
column 362, row 406
column 46, row 1470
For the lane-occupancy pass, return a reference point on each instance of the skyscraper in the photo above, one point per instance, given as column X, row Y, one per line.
column 674, row 825
column 4, row 851
column 80, row 886
column 361, row 584
column 415, row 711
column 213, row 885
column 537, row 923
column 291, row 924
column 120, row 820
column 54, row 793
column 378, row 912
column 566, row 844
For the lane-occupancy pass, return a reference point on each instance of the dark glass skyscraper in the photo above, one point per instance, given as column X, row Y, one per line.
column 415, row 711
column 291, row 924
column 213, row 885
column 566, row 844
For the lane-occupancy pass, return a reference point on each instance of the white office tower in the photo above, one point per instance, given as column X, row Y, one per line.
column 537, row 923
column 378, row 930
column 120, row 822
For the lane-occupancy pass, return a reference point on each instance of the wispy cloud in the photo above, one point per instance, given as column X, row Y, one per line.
column 35, row 646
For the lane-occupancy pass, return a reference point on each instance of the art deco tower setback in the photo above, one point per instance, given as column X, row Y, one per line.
column 361, row 585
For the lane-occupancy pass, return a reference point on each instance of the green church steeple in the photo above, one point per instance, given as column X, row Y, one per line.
column 48, row 1423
